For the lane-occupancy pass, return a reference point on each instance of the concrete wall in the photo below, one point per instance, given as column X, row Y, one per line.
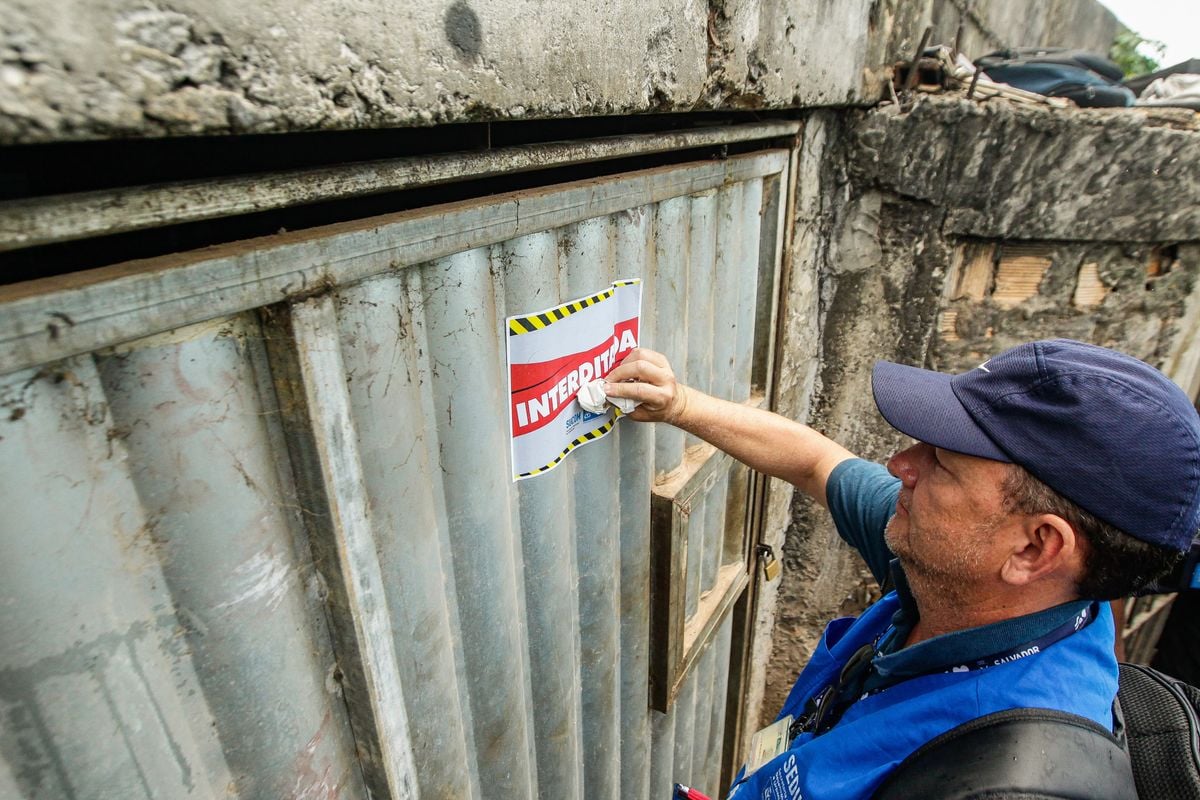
column 87, row 69
column 81, row 69
column 950, row 233
column 997, row 24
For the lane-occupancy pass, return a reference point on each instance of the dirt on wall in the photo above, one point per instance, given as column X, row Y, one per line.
column 103, row 69
column 955, row 231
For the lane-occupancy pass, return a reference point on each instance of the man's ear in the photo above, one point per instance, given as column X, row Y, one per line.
column 1046, row 546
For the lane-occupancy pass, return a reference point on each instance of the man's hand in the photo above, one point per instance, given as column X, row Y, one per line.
column 766, row 441
column 646, row 376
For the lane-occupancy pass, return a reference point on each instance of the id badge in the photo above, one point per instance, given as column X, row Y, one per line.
column 768, row 743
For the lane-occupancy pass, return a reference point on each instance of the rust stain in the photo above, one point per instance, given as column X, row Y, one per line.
column 314, row 781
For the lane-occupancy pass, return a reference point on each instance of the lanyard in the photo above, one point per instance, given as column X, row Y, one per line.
column 825, row 708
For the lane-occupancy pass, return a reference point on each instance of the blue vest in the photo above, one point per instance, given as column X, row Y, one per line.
column 1077, row 674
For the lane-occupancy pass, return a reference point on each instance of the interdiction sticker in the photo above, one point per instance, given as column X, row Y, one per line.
column 553, row 352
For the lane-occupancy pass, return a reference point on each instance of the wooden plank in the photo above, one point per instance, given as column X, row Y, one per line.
column 52, row 318
column 310, row 381
column 973, row 265
column 732, row 582
column 666, row 595
column 60, row 218
column 676, row 640
column 712, row 604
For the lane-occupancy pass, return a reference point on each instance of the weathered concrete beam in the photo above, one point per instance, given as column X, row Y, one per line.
column 990, row 25
column 89, row 69
column 97, row 69
column 1019, row 172
column 75, row 69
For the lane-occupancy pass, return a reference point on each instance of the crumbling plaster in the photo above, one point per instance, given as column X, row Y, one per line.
column 990, row 25
column 775, row 53
column 1025, row 172
column 82, row 69
column 93, row 69
column 900, row 204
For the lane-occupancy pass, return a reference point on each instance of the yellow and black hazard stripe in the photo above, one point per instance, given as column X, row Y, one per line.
column 535, row 322
column 590, row 436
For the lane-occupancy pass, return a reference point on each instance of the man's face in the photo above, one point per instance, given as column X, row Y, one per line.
column 948, row 516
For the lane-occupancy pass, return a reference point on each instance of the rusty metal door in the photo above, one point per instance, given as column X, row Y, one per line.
column 260, row 538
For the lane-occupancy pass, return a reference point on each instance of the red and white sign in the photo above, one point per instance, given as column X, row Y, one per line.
column 552, row 353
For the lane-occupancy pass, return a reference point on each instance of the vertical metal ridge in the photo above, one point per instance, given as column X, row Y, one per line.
column 714, row 748
column 230, row 553
column 672, row 255
column 685, row 731
column 310, row 381
column 697, row 775
column 729, row 277
column 532, row 276
column 468, row 391
column 425, row 374
column 398, row 453
column 698, row 370
column 636, row 256
column 705, row 219
column 589, row 261
column 754, row 219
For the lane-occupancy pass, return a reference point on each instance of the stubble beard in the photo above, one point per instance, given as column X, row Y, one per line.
column 947, row 575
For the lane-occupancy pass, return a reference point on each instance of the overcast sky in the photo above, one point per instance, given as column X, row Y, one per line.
column 1175, row 22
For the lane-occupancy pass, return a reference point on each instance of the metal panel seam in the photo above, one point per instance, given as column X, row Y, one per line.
column 53, row 318
column 325, row 457
column 66, row 217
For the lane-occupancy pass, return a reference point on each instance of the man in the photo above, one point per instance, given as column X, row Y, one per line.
column 1052, row 476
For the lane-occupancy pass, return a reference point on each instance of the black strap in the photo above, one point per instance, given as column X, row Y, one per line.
column 1020, row 753
column 1164, row 733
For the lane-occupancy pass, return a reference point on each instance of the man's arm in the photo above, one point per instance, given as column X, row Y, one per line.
column 765, row 441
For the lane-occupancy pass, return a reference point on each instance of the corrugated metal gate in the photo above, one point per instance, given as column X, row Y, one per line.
column 275, row 551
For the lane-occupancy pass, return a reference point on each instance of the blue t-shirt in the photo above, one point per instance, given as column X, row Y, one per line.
column 862, row 498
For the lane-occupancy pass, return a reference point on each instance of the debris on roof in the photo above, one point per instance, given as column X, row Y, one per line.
column 1055, row 77
column 1180, row 90
column 940, row 69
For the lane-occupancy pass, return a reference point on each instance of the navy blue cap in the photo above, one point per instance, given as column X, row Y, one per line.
column 1101, row 428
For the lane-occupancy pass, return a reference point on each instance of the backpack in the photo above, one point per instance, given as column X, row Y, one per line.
column 1153, row 753
column 1086, row 78
column 1164, row 735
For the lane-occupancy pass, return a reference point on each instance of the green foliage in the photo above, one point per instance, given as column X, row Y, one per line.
column 1129, row 51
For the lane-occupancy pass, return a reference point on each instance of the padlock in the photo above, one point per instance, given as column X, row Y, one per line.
column 771, row 565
